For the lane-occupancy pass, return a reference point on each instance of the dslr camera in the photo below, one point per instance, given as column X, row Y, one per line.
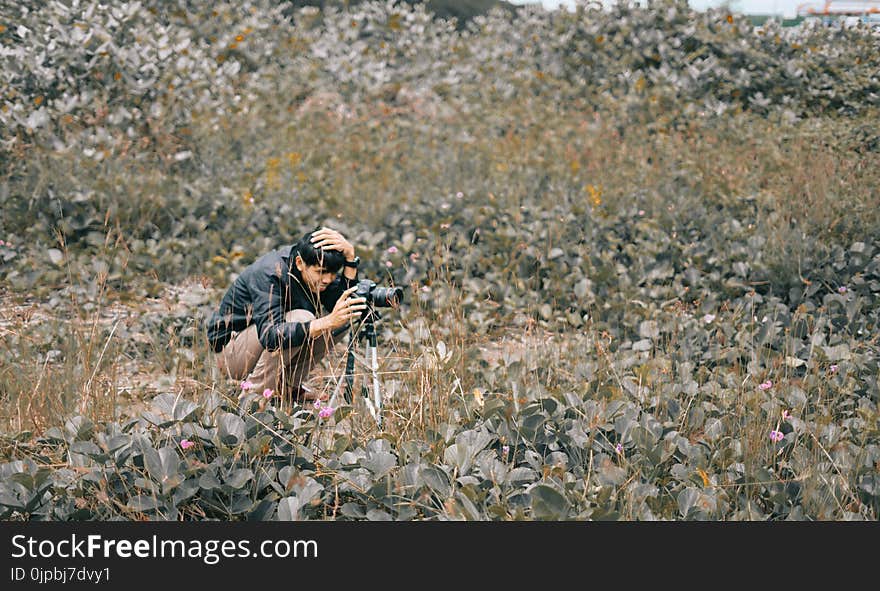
column 378, row 297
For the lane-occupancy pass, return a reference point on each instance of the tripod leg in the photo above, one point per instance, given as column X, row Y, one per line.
column 349, row 374
column 373, row 400
column 346, row 382
column 377, row 396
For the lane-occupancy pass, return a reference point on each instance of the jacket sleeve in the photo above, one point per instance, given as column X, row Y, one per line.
column 273, row 332
column 217, row 331
column 221, row 323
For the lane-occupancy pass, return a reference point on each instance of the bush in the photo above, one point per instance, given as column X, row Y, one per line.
column 617, row 225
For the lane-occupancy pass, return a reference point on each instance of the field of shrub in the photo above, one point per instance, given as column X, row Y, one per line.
column 640, row 248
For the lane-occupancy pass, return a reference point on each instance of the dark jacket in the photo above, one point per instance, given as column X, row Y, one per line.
column 264, row 292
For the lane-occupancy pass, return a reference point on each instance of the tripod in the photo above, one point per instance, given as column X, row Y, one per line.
column 364, row 330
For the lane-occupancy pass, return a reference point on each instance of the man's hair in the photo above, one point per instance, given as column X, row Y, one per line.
column 329, row 260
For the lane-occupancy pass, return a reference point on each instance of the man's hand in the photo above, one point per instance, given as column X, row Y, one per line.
column 344, row 312
column 332, row 240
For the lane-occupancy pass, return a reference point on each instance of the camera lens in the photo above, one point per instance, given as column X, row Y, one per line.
column 380, row 297
column 385, row 297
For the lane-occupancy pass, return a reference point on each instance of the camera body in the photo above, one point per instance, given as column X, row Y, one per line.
column 378, row 297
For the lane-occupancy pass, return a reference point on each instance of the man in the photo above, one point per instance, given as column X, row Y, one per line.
column 278, row 317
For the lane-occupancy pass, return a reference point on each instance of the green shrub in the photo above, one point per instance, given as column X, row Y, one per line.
column 614, row 227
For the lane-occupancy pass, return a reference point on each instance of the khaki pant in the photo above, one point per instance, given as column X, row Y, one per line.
column 284, row 370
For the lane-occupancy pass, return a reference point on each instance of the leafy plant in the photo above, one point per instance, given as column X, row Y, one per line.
column 640, row 248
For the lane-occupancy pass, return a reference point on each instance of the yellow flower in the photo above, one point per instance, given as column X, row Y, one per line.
column 704, row 476
column 595, row 195
column 273, row 175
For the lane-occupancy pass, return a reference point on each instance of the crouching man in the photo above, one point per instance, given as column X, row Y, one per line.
column 277, row 319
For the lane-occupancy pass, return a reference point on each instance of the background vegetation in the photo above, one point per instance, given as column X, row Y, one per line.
column 640, row 250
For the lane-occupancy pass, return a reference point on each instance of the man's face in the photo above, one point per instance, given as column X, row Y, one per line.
column 315, row 277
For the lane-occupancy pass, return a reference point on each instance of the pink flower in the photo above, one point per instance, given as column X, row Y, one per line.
column 619, row 448
column 776, row 436
column 426, row 289
column 833, row 368
column 414, row 256
column 641, row 212
column 186, row 443
column 786, row 415
column 267, row 393
column 247, row 385
column 765, row 385
column 392, row 250
column 505, row 449
column 389, row 264
column 841, row 289
column 317, row 404
column 459, row 195
column 327, row 411
column 2, row 243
